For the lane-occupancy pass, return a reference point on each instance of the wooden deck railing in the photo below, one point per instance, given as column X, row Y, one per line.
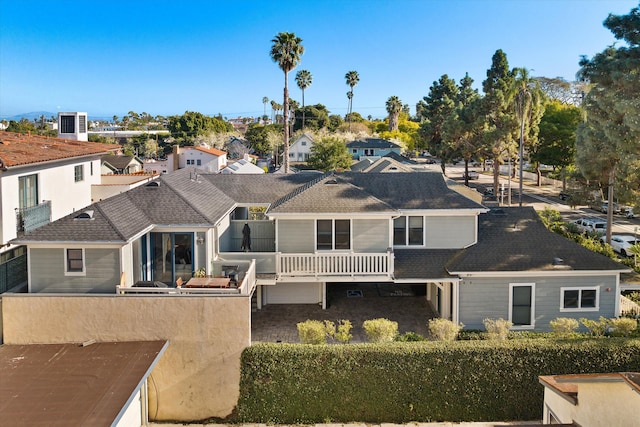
column 334, row 264
column 628, row 306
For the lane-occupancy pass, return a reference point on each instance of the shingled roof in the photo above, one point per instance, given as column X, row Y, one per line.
column 514, row 239
column 17, row 149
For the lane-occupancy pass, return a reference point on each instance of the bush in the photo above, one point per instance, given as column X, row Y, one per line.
column 312, row 332
column 443, row 329
column 564, row 325
column 623, row 327
column 597, row 328
column 410, row 337
column 380, row 330
column 497, row 329
column 343, row 332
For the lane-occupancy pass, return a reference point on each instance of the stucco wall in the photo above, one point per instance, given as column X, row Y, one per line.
column 197, row 377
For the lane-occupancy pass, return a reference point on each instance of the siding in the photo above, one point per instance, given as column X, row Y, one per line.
column 370, row 235
column 481, row 298
column 296, row 236
column 450, row 232
column 294, row 293
column 47, row 271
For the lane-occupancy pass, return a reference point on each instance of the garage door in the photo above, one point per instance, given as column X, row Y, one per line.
column 294, row 293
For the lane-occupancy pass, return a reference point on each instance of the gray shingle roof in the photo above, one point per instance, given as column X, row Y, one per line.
column 528, row 246
column 422, row 263
column 371, row 143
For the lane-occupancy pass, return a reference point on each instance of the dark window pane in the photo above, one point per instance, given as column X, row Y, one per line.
column 324, row 234
column 343, row 234
column 521, row 305
column 74, row 260
column 415, row 230
column 571, row 299
column 588, row 299
column 399, row 231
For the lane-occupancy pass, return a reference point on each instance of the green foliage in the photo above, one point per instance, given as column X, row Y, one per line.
column 564, row 326
column 623, row 327
column 558, row 135
column 312, row 332
column 634, row 296
column 444, row 329
column 410, row 337
column 191, row 124
column 316, row 117
column 497, row 329
column 343, row 332
column 415, row 381
column 380, row 330
column 597, row 328
column 329, row 153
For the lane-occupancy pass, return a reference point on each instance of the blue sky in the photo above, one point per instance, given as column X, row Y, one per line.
column 167, row 57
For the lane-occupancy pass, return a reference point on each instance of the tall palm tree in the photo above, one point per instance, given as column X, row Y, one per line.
column 352, row 78
column 394, row 106
column 286, row 51
column 303, row 79
column 265, row 100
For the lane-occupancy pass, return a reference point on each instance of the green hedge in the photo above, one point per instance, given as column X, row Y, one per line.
column 422, row 381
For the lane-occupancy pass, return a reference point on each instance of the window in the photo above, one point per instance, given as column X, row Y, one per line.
column 74, row 261
column 28, row 191
column 522, row 305
column 78, row 173
column 198, row 162
column 333, row 234
column 408, row 231
column 91, row 168
column 82, row 123
column 579, row 299
column 189, row 162
column 67, row 124
column 303, row 143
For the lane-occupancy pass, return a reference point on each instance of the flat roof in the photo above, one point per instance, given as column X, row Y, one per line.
column 71, row 384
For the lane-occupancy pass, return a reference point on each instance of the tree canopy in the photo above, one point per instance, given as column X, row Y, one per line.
column 187, row 127
column 329, row 153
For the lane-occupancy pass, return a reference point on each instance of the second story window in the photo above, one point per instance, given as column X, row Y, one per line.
column 78, row 173
column 74, row 260
column 28, row 191
column 333, row 234
column 198, row 162
column 408, row 231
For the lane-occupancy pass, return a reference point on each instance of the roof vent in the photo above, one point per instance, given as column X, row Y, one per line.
column 153, row 184
column 331, row 181
column 85, row 215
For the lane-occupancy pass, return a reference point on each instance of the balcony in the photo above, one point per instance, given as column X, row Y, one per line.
column 361, row 266
column 28, row 219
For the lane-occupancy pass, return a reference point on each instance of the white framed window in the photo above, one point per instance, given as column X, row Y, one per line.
column 303, row 143
column 74, row 262
column 27, row 191
column 189, row 162
column 333, row 234
column 78, row 173
column 198, row 162
column 580, row 299
column 408, row 231
column 522, row 305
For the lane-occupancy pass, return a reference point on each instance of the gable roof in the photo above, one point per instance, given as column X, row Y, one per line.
column 120, row 162
column 212, row 151
column 372, row 143
column 18, row 149
column 515, row 239
column 68, row 384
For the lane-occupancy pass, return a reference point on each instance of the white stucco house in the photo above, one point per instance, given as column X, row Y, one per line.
column 300, row 150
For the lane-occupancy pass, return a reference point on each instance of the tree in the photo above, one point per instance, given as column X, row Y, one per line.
column 303, row 80
column 329, row 153
column 435, row 108
column 498, row 113
column 264, row 103
column 317, row 117
column 190, row 125
column 394, row 107
column 352, row 78
column 608, row 140
column 286, row 52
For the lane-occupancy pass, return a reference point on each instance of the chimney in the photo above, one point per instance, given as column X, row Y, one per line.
column 176, row 157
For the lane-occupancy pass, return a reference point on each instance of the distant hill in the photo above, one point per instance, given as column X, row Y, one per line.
column 47, row 114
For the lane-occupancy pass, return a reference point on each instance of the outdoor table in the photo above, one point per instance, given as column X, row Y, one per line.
column 208, row 282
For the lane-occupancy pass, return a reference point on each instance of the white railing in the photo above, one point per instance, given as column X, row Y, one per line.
column 334, row 264
column 628, row 306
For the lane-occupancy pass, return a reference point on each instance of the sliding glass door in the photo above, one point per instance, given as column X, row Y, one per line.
column 172, row 255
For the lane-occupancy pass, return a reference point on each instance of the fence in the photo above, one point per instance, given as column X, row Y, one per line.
column 13, row 273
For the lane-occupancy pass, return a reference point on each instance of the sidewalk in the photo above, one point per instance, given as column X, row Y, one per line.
column 444, row 424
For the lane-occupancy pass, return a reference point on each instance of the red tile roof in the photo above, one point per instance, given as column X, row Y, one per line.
column 213, row 151
column 18, row 149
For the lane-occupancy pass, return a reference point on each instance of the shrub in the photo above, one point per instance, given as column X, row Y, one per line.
column 497, row 329
column 564, row 325
column 343, row 332
column 409, row 337
column 623, row 327
column 380, row 330
column 312, row 332
column 597, row 328
column 444, row 330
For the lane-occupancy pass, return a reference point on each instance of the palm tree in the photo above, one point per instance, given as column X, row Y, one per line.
column 264, row 102
column 303, row 79
column 286, row 52
column 394, row 106
column 352, row 78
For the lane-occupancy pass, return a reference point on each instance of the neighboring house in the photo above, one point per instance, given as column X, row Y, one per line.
column 309, row 231
column 593, row 400
column 110, row 185
column 237, row 148
column 73, row 126
column 41, row 180
column 112, row 164
column 161, row 166
column 97, row 384
column 209, row 160
column 300, row 150
column 243, row 166
column 372, row 147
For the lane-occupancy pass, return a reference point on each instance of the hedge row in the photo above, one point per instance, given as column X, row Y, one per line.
column 423, row 382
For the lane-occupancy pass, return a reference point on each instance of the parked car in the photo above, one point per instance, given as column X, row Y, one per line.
column 587, row 225
column 628, row 212
column 605, row 207
column 471, row 175
column 564, row 195
column 622, row 242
